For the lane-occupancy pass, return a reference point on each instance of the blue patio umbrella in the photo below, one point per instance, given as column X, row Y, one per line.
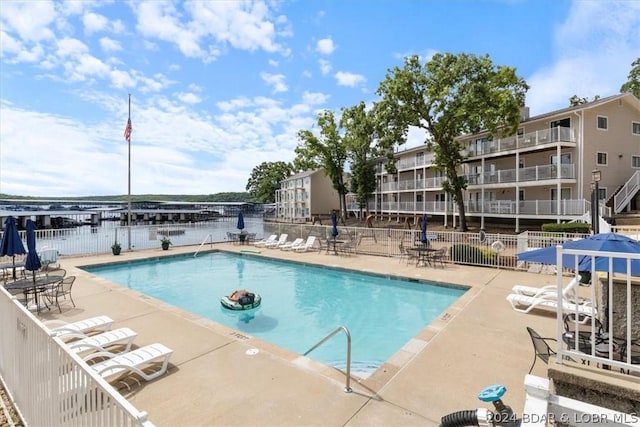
column 423, row 230
column 11, row 245
column 609, row 242
column 334, row 224
column 32, row 263
column 240, row 224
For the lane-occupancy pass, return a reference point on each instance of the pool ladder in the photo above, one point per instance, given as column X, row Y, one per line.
column 209, row 236
column 347, row 388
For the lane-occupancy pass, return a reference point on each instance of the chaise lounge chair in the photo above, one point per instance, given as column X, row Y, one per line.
column 281, row 241
column 134, row 362
column 269, row 239
column 308, row 244
column 550, row 290
column 525, row 303
column 100, row 345
column 61, row 328
column 292, row 245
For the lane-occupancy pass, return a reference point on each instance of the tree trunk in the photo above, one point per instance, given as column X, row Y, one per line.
column 462, row 216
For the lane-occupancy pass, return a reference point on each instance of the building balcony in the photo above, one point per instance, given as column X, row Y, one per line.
column 532, row 173
column 527, row 141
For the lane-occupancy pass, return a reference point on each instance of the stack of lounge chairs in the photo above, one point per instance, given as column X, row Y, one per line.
column 108, row 352
column 524, row 299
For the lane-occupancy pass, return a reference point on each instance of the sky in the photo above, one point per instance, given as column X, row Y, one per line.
column 218, row 87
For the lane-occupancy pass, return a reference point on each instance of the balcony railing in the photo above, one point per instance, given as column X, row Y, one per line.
column 531, row 139
column 532, row 173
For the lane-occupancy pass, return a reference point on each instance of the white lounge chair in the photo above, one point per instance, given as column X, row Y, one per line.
column 269, row 239
column 292, row 245
column 133, row 362
column 550, row 290
column 62, row 328
column 100, row 345
column 525, row 303
column 281, row 241
column 308, row 244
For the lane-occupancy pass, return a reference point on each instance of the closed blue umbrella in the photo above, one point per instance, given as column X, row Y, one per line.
column 334, row 224
column 240, row 224
column 423, row 230
column 11, row 245
column 32, row 263
column 609, row 242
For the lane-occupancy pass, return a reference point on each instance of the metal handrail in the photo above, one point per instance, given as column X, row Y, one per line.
column 347, row 388
column 202, row 244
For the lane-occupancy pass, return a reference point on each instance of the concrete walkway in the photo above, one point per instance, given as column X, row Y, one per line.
column 216, row 377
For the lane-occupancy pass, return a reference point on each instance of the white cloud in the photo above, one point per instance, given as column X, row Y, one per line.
column 344, row 78
column 189, row 98
column 110, row 45
column 94, row 22
column 29, row 19
column 276, row 81
column 325, row 66
column 325, row 46
column 592, row 59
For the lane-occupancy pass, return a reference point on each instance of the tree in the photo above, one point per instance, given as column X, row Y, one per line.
column 326, row 151
column 575, row 100
column 633, row 84
column 359, row 138
column 449, row 96
column 265, row 180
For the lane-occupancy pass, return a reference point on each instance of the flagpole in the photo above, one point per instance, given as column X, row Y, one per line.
column 129, row 182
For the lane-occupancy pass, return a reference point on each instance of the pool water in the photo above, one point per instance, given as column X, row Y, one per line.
column 301, row 304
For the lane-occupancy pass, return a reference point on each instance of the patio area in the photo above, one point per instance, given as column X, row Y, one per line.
column 214, row 379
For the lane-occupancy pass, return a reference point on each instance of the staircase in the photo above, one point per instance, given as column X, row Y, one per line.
column 628, row 191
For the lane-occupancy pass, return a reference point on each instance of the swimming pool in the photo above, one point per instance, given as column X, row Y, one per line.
column 301, row 303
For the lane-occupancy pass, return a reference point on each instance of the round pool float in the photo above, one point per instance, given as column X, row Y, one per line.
column 238, row 305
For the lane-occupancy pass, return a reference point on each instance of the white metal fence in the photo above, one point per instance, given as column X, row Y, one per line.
column 49, row 385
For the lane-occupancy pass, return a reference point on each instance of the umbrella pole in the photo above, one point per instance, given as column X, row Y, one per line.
column 14, row 267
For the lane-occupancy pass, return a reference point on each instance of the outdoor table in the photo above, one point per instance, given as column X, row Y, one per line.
column 423, row 254
column 38, row 286
column 7, row 267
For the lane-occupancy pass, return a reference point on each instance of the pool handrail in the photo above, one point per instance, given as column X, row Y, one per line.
column 347, row 388
column 203, row 242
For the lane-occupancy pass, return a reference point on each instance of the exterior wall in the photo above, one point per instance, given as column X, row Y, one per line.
column 550, row 161
column 304, row 195
column 323, row 196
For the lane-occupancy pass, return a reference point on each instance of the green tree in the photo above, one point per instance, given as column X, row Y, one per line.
column 449, row 96
column 327, row 151
column 360, row 134
column 633, row 84
column 265, row 180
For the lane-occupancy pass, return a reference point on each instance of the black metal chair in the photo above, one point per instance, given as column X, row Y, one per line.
column 541, row 347
column 61, row 291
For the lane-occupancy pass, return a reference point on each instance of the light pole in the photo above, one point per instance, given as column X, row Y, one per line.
column 593, row 207
column 595, row 177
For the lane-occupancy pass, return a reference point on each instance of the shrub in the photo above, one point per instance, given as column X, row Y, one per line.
column 465, row 253
column 567, row 227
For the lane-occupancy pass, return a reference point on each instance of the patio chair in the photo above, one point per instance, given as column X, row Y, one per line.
column 307, row 246
column 269, row 239
column 439, row 256
column 101, row 345
column 281, row 241
column 407, row 254
column 292, row 245
column 135, row 362
column 550, row 290
column 61, row 290
column 541, row 347
column 62, row 329
column 525, row 303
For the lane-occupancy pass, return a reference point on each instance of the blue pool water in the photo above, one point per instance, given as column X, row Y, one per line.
column 301, row 304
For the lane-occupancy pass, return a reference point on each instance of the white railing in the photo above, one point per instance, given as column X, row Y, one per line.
column 531, row 173
column 48, row 384
column 616, row 307
column 626, row 193
column 531, row 139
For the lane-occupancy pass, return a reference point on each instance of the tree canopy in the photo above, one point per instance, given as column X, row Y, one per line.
column 448, row 96
column 265, row 180
column 633, row 84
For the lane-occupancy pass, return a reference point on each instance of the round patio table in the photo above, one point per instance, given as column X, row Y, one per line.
column 36, row 286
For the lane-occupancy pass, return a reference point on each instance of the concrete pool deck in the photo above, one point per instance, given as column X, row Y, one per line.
column 214, row 380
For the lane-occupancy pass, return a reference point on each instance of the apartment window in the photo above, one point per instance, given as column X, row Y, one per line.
column 635, row 162
column 565, row 159
column 419, row 158
column 521, row 195
column 418, row 198
column 520, row 133
column 601, row 159
column 602, row 123
column 635, row 128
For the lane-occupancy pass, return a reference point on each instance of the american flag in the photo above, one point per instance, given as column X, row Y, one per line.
column 127, row 130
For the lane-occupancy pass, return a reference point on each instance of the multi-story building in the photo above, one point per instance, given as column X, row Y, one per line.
column 543, row 173
column 305, row 195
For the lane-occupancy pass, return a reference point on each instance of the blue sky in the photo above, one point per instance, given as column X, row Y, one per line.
column 218, row 87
